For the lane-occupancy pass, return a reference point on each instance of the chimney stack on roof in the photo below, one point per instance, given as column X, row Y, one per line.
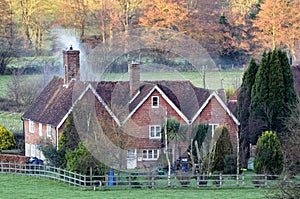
column 134, row 78
column 71, row 64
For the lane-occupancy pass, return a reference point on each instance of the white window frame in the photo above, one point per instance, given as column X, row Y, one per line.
column 32, row 150
column 156, row 134
column 40, row 129
column 213, row 127
column 152, row 101
column 131, row 153
column 49, row 131
column 148, row 154
column 31, row 126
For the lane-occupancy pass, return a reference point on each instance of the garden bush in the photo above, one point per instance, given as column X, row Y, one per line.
column 7, row 140
column 268, row 157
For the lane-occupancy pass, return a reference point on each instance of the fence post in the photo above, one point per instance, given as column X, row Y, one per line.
column 198, row 180
column 129, row 180
column 266, row 180
column 243, row 179
column 152, row 181
column 220, row 179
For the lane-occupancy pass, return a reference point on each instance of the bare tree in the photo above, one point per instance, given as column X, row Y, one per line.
column 22, row 90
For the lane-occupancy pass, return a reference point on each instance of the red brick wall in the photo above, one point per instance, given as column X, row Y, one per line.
column 14, row 158
column 35, row 138
column 215, row 113
column 138, row 125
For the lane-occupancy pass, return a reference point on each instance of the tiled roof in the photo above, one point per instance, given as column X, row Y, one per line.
column 54, row 102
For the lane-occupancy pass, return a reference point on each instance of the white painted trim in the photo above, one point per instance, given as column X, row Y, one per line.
column 98, row 97
column 135, row 96
column 49, row 131
column 31, row 128
column 147, row 158
column 71, row 109
column 157, row 106
column 214, row 94
column 155, row 137
column 164, row 97
column 40, row 129
column 105, row 106
column 56, row 130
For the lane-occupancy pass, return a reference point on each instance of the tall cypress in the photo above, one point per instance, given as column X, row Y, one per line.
column 243, row 108
column 259, row 98
column 273, row 95
column 275, row 102
column 290, row 99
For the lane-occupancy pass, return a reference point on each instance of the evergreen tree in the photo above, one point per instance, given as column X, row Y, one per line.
column 244, row 100
column 275, row 100
column 259, row 98
column 273, row 96
column 69, row 138
column 268, row 154
column 222, row 148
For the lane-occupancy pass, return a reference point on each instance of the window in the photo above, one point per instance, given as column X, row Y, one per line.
column 40, row 129
column 150, row 154
column 212, row 128
column 49, row 131
column 32, row 150
column 155, row 101
column 31, row 126
column 131, row 153
column 154, row 132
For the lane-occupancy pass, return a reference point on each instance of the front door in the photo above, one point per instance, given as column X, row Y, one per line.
column 131, row 159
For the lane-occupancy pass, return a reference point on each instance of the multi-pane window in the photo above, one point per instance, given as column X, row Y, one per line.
column 40, row 129
column 155, row 101
column 31, row 126
column 212, row 128
column 49, row 131
column 154, row 132
column 150, row 154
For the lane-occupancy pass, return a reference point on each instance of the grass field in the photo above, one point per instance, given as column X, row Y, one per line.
column 16, row 186
column 11, row 121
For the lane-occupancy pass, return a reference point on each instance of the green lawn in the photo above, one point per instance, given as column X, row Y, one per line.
column 16, row 186
column 3, row 84
column 11, row 121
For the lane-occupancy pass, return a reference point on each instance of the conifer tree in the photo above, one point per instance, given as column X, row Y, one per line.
column 222, row 148
column 244, row 100
column 273, row 96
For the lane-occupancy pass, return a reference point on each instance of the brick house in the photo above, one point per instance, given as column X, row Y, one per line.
column 136, row 108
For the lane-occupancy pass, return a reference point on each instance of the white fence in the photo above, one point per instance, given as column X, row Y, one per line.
column 140, row 180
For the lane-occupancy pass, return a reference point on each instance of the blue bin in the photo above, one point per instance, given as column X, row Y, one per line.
column 111, row 178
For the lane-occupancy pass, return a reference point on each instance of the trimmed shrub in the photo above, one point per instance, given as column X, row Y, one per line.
column 268, row 157
column 222, row 148
column 7, row 140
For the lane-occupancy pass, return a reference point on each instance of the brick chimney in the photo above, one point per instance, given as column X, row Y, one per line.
column 134, row 78
column 71, row 65
column 222, row 94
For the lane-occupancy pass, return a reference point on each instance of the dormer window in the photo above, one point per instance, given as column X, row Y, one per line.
column 155, row 101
